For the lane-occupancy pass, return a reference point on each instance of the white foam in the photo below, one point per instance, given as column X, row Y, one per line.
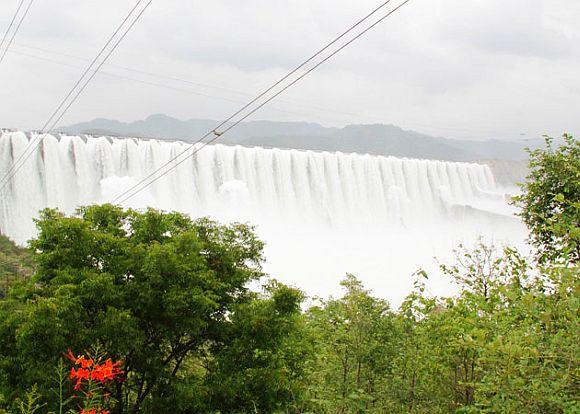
column 321, row 214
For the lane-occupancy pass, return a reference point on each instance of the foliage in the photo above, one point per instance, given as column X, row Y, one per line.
column 550, row 203
column 356, row 339
column 258, row 363
column 506, row 343
column 15, row 263
column 30, row 404
column 154, row 289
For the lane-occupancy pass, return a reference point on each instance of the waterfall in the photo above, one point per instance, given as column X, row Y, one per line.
column 286, row 193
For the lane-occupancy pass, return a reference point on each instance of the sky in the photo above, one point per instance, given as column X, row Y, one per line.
column 474, row 69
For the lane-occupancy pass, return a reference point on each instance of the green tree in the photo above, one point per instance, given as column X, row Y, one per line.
column 355, row 342
column 550, row 203
column 258, row 365
column 156, row 290
column 506, row 343
column 15, row 263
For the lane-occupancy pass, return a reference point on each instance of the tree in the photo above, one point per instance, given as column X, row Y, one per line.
column 355, row 343
column 258, row 364
column 15, row 263
column 550, row 203
column 154, row 289
column 506, row 343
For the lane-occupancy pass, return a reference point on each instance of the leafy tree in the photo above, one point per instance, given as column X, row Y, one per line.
column 257, row 365
column 506, row 343
column 156, row 290
column 550, row 201
column 15, row 263
column 355, row 341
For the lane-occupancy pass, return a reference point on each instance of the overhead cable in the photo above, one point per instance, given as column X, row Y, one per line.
column 15, row 30
column 83, row 82
column 141, row 185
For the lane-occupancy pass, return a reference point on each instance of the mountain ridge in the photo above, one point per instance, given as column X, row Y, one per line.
column 375, row 139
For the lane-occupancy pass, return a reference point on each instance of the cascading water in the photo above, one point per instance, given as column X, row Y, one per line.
column 321, row 214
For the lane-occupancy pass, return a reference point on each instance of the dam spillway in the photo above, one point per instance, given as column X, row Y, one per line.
column 326, row 201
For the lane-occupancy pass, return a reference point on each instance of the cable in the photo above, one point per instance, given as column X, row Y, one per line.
column 75, row 97
column 129, row 196
column 161, row 85
column 16, row 29
column 293, row 71
column 15, row 164
column 176, row 79
column 143, row 72
column 186, row 81
column 11, row 24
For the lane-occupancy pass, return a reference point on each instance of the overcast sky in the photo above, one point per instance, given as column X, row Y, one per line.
column 457, row 68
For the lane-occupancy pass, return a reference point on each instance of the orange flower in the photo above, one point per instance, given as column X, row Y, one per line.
column 77, row 360
column 80, row 375
column 108, row 371
column 92, row 370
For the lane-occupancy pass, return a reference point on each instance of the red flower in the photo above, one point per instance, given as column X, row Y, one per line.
column 80, row 375
column 86, row 363
column 108, row 371
column 92, row 370
column 76, row 360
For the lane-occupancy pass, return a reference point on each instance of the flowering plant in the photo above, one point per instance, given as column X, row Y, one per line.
column 92, row 376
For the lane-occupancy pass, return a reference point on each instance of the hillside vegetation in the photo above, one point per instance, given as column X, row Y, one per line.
column 15, row 262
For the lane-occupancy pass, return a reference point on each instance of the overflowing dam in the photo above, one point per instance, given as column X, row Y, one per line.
column 320, row 214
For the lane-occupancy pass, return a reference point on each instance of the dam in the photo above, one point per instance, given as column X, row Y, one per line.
column 321, row 214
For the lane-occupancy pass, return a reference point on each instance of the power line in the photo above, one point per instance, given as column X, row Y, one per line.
column 16, row 165
column 11, row 24
column 85, row 84
column 282, row 79
column 140, row 71
column 173, row 88
column 16, row 29
column 177, row 79
column 131, row 193
column 367, row 117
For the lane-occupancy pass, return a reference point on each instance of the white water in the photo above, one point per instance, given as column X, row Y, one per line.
column 321, row 214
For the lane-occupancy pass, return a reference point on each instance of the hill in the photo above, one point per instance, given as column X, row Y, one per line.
column 377, row 139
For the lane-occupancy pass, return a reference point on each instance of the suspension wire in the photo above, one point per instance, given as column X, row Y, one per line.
column 175, row 79
column 83, row 87
column 174, row 88
column 16, row 29
column 16, row 164
column 134, row 191
column 262, row 94
column 11, row 24
column 208, row 86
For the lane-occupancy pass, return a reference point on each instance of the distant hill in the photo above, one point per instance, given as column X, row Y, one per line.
column 378, row 139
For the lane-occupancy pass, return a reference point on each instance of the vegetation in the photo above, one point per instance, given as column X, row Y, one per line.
column 550, row 203
column 157, row 291
column 167, row 298
column 507, row 343
column 15, row 263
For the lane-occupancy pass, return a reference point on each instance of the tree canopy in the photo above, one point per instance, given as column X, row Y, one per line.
column 157, row 290
column 550, row 202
